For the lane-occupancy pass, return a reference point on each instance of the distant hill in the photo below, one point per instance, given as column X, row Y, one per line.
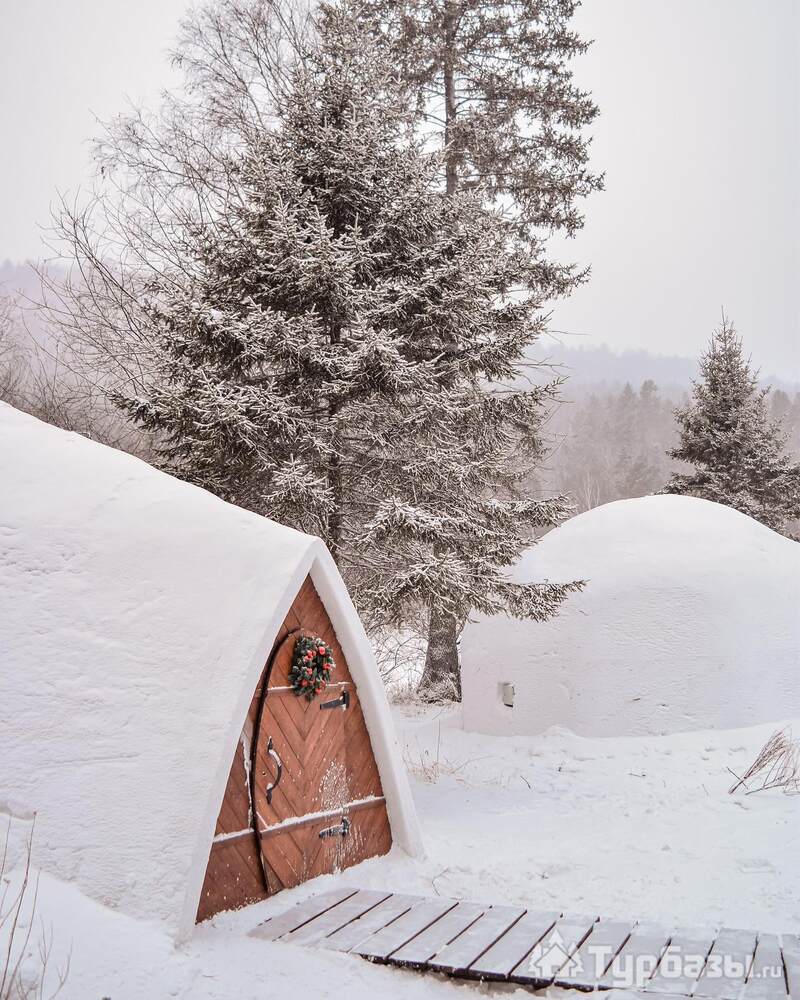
column 21, row 282
column 599, row 367
column 16, row 279
column 588, row 368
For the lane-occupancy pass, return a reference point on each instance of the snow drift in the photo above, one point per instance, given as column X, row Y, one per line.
column 136, row 615
column 690, row 620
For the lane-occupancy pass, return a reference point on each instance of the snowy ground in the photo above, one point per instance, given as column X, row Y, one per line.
column 629, row 828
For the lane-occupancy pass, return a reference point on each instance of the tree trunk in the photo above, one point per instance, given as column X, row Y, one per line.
column 441, row 677
column 335, row 518
column 450, row 107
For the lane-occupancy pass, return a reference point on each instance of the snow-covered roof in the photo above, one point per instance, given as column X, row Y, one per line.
column 689, row 620
column 136, row 614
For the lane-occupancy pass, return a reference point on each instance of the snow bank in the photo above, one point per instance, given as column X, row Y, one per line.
column 636, row 828
column 633, row 829
column 690, row 620
column 136, row 613
column 112, row 955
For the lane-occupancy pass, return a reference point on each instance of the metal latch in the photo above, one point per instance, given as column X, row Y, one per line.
column 343, row 702
column 337, row 831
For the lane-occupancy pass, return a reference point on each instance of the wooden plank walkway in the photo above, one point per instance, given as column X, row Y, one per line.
column 528, row 948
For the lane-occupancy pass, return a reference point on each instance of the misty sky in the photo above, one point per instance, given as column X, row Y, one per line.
column 699, row 137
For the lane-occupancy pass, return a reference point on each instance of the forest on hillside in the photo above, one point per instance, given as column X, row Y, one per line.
column 607, row 437
column 610, row 442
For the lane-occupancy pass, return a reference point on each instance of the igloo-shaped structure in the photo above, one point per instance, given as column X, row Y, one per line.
column 690, row 619
column 146, row 711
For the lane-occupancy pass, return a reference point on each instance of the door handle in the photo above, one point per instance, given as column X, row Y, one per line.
column 342, row 702
column 332, row 831
column 279, row 769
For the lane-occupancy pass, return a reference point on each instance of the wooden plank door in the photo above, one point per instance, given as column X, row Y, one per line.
column 240, row 869
column 316, row 791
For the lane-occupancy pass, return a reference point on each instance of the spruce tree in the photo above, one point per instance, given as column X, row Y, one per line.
column 737, row 451
column 330, row 341
column 492, row 84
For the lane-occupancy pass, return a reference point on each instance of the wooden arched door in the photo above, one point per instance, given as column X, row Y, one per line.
column 326, row 765
column 317, row 799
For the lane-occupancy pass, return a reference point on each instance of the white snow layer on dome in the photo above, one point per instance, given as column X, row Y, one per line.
column 690, row 620
column 136, row 615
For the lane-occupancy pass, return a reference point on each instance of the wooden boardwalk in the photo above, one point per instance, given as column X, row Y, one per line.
column 514, row 945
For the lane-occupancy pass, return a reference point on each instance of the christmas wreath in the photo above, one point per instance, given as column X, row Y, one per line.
column 312, row 666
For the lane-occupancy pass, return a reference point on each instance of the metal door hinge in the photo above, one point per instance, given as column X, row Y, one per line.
column 342, row 702
column 337, row 831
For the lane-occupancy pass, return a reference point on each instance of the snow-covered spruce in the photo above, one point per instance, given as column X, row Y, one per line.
column 331, row 340
column 492, row 83
column 477, row 74
column 738, row 452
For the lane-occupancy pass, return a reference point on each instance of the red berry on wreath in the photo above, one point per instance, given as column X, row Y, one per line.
column 304, row 683
column 321, row 650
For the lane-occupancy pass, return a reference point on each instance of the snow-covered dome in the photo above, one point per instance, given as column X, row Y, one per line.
column 136, row 615
column 690, row 619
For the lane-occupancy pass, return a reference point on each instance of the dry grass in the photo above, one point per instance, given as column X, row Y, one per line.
column 24, row 959
column 777, row 765
column 430, row 765
column 400, row 657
